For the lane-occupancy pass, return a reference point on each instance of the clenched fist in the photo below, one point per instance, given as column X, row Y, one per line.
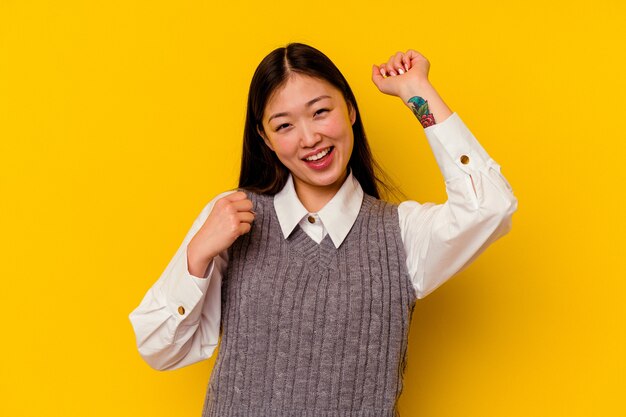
column 401, row 72
column 231, row 217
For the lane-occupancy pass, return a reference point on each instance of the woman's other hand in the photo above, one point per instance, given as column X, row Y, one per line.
column 231, row 217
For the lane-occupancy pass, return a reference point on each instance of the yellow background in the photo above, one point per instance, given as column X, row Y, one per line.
column 120, row 119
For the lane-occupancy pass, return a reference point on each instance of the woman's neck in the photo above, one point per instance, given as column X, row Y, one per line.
column 314, row 197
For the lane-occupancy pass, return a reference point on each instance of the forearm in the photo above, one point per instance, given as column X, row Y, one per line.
column 436, row 107
column 196, row 265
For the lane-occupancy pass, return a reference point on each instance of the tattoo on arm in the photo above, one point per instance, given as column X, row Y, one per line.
column 421, row 111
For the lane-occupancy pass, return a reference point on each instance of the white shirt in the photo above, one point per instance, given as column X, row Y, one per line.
column 177, row 322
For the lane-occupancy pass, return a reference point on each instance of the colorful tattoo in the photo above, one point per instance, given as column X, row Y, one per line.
column 420, row 110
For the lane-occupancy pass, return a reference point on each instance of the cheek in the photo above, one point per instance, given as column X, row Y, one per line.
column 343, row 138
column 285, row 148
column 338, row 127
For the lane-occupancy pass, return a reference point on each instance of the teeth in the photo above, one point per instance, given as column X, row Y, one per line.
column 319, row 155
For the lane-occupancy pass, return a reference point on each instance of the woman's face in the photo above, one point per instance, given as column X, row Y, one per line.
column 308, row 124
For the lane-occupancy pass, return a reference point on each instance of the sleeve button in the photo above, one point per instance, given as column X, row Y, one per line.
column 464, row 159
column 181, row 310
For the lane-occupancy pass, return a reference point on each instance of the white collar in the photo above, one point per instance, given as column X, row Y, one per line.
column 338, row 215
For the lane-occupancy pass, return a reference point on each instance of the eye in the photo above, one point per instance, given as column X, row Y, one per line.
column 320, row 111
column 280, row 127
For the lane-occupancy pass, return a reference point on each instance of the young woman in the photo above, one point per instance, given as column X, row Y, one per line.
column 308, row 277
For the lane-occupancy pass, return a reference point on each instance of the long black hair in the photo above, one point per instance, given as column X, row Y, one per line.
column 261, row 170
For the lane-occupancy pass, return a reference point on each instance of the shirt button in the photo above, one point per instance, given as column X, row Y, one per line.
column 311, row 219
column 181, row 310
column 464, row 159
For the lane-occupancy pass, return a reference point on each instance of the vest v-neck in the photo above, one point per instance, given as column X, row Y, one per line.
column 323, row 253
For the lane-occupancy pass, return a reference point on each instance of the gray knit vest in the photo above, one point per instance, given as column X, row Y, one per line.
column 309, row 329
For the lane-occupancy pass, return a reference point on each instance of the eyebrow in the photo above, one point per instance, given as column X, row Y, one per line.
column 308, row 104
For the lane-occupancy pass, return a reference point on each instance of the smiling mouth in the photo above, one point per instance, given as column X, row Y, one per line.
column 319, row 155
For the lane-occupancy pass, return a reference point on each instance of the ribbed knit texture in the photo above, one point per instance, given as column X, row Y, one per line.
column 311, row 330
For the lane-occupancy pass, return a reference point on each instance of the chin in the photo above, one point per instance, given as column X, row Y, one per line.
column 330, row 180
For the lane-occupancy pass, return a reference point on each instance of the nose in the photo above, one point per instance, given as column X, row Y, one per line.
column 309, row 137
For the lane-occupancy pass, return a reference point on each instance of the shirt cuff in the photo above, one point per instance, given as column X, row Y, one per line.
column 455, row 148
column 184, row 291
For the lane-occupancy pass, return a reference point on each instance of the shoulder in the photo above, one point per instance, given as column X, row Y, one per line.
column 372, row 203
column 386, row 211
column 208, row 207
column 218, row 197
column 379, row 221
column 258, row 200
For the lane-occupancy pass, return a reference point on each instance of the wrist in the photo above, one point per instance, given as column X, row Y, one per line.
column 196, row 258
column 421, row 88
column 426, row 104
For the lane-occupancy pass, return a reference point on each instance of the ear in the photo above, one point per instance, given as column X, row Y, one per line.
column 265, row 139
column 352, row 113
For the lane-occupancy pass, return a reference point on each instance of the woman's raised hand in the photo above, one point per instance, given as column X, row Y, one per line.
column 403, row 71
column 405, row 75
column 231, row 217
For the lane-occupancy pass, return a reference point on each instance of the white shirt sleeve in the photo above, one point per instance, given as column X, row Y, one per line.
column 443, row 239
column 178, row 321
